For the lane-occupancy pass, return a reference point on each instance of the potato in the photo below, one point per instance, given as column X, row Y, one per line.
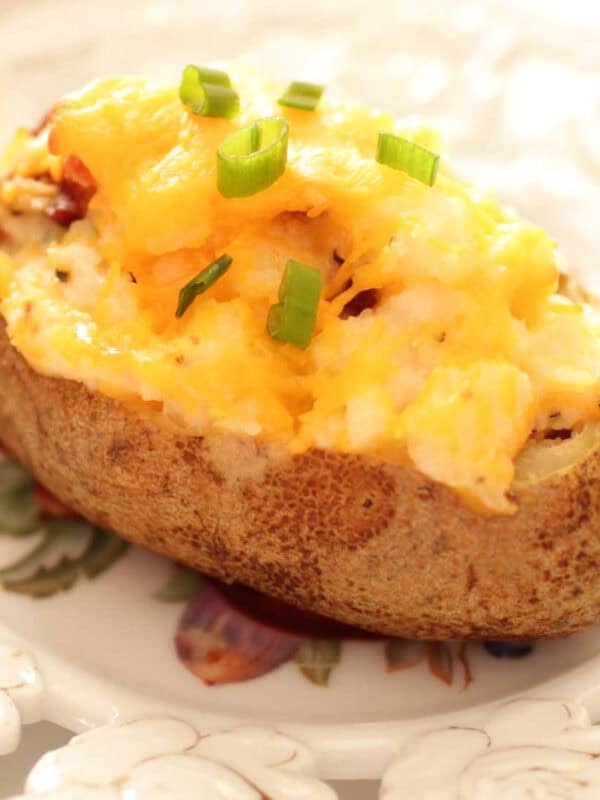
column 352, row 537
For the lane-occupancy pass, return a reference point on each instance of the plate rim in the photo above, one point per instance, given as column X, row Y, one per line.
column 77, row 699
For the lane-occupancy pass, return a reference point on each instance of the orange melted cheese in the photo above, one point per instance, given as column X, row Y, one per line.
column 466, row 351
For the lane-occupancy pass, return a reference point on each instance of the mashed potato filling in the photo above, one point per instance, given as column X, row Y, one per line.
column 441, row 340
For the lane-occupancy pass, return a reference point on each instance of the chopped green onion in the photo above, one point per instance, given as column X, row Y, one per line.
column 208, row 92
column 202, row 282
column 399, row 153
column 294, row 317
column 302, row 95
column 253, row 158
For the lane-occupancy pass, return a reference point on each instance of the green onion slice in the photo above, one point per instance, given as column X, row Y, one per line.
column 208, row 92
column 294, row 317
column 302, row 95
column 399, row 153
column 252, row 159
column 201, row 283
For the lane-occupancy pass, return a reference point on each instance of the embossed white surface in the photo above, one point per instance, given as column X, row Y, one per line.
column 527, row 749
column 516, row 88
column 155, row 759
column 20, row 695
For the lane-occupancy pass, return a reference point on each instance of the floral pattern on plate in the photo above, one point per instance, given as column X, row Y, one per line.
column 228, row 634
column 52, row 548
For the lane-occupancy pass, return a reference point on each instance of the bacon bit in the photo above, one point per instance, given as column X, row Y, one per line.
column 360, row 302
column 292, row 216
column 558, row 433
column 51, row 506
column 75, row 191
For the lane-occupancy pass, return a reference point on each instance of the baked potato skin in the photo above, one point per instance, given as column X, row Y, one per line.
column 366, row 542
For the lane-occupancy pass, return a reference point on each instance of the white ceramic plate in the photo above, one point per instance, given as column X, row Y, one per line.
column 516, row 88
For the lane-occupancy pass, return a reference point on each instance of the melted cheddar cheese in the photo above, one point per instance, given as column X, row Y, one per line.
column 440, row 338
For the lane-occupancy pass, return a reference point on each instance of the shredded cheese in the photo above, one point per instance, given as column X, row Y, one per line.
column 460, row 348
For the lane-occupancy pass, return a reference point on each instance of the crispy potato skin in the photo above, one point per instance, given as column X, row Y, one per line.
column 351, row 537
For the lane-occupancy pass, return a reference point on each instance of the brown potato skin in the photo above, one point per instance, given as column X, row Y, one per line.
column 352, row 537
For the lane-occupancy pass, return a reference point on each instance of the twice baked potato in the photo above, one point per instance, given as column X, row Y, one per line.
column 416, row 454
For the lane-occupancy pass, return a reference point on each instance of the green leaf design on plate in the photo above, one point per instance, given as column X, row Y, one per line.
column 19, row 513
column 57, row 539
column 46, row 582
column 62, row 549
column 19, row 509
column 51, row 566
column 13, row 477
column 182, row 585
column 40, row 548
column 316, row 659
column 104, row 550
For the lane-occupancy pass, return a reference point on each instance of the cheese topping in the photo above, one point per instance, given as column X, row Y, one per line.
column 440, row 337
